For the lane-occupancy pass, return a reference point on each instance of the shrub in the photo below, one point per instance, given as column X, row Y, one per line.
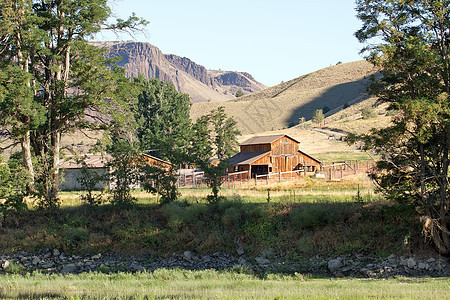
column 368, row 112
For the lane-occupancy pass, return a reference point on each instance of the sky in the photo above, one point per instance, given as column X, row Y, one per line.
column 274, row 41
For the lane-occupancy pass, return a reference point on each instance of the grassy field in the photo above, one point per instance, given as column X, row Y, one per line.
column 209, row 284
column 304, row 217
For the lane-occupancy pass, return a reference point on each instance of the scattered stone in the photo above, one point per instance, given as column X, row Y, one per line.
column 240, row 251
column 262, row 260
column 70, row 268
column 431, row 260
column 411, row 262
column 335, row 264
column 242, row 261
column 97, row 256
column 5, row 264
column 35, row 261
column 422, row 266
column 47, row 266
column 56, row 252
column 187, row 255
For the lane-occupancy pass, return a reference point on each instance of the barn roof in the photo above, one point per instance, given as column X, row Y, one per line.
column 95, row 161
column 266, row 139
column 156, row 158
column 247, row 158
column 92, row 161
column 316, row 160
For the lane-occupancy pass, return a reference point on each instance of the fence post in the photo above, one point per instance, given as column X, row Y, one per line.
column 279, row 176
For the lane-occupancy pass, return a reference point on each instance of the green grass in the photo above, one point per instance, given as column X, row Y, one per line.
column 343, row 156
column 208, row 284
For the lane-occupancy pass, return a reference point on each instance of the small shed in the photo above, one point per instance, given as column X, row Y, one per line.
column 70, row 171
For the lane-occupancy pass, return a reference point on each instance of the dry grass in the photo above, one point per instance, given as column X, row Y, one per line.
column 281, row 106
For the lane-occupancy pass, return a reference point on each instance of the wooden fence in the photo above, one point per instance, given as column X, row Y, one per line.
column 329, row 170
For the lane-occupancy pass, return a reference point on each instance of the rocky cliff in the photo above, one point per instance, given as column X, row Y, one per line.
column 187, row 76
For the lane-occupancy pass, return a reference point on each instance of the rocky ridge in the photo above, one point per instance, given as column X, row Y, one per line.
column 55, row 261
column 187, row 76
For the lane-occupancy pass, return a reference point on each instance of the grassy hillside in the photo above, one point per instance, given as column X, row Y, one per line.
column 281, row 106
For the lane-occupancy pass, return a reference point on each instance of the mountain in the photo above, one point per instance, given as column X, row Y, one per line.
column 281, row 106
column 188, row 77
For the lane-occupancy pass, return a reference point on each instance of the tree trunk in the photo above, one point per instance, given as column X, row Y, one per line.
column 25, row 142
column 56, row 144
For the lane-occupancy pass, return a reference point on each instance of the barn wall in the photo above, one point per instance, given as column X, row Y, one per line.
column 284, row 146
column 68, row 179
column 255, row 148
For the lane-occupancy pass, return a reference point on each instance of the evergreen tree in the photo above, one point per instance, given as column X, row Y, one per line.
column 225, row 133
column 318, row 117
column 164, row 130
column 411, row 47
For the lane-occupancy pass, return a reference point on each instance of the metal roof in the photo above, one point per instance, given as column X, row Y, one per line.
column 266, row 139
column 247, row 158
column 92, row 161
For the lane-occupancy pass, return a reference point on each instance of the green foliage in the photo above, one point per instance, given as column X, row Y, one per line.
column 125, row 174
column 88, row 181
column 13, row 182
column 164, row 130
column 368, row 112
column 411, row 48
column 221, row 139
column 52, row 78
column 239, row 93
column 308, row 216
column 318, row 117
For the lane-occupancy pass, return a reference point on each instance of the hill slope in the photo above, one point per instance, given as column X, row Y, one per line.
column 281, row 106
column 187, row 76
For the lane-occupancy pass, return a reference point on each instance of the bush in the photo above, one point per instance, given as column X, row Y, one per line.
column 368, row 112
column 309, row 216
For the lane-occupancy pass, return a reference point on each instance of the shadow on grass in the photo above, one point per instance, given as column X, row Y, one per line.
column 277, row 229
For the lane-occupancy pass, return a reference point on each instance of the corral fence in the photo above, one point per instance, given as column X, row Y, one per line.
column 340, row 169
column 329, row 171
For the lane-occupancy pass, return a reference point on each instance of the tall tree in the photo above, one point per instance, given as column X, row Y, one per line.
column 224, row 133
column 164, row 130
column 69, row 77
column 409, row 41
column 214, row 134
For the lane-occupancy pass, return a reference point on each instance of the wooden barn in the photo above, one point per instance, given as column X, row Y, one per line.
column 262, row 155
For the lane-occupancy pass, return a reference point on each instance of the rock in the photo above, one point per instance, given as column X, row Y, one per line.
column 97, row 256
column 240, row 251
column 431, row 260
column 242, row 261
column 69, row 268
column 5, row 264
column 403, row 262
column 335, row 264
column 392, row 259
column 187, row 255
column 36, row 260
column 56, row 252
column 411, row 262
column 423, row 266
column 206, row 258
column 47, row 266
column 262, row 260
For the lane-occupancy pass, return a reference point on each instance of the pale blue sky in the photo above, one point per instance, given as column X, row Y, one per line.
column 274, row 41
